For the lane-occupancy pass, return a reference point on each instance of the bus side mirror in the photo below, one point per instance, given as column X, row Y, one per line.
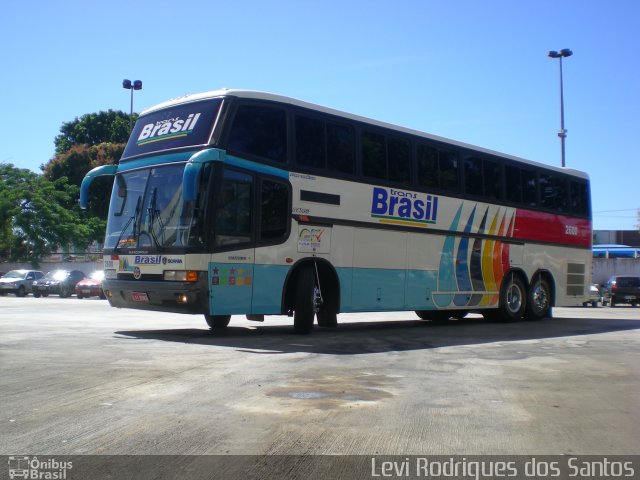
column 100, row 171
column 192, row 169
column 190, row 181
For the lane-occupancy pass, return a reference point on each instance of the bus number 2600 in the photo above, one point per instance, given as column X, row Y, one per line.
column 571, row 230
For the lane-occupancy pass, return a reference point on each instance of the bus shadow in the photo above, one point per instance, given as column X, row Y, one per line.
column 383, row 336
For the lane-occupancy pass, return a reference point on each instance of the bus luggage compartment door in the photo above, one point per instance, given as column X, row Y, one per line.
column 231, row 285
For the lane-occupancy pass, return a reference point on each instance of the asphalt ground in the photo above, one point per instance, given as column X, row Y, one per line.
column 78, row 377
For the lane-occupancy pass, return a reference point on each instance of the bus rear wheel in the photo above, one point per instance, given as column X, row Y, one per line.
column 217, row 322
column 539, row 300
column 304, row 307
column 512, row 299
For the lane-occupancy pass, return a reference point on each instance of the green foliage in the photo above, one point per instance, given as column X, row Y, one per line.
column 76, row 162
column 94, row 128
column 39, row 215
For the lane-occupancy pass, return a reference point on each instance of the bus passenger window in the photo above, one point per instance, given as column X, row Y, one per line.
column 399, row 160
column 529, row 188
column 448, row 169
column 233, row 220
column 513, row 185
column 492, row 173
column 310, row 142
column 553, row 192
column 579, row 198
column 340, row 148
column 259, row 131
column 427, row 161
column 473, row 176
column 374, row 162
column 274, row 211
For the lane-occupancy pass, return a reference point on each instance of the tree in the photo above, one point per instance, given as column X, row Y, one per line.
column 39, row 215
column 94, row 128
column 87, row 142
column 80, row 159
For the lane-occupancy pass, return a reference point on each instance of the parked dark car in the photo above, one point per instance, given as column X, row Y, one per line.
column 57, row 282
column 91, row 286
column 19, row 281
column 622, row 289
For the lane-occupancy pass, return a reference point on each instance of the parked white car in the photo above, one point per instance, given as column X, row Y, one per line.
column 19, row 281
column 595, row 297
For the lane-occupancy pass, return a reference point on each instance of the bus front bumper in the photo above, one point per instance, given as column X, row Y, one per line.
column 162, row 296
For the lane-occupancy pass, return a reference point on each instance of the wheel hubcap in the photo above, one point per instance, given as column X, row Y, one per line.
column 514, row 299
column 539, row 298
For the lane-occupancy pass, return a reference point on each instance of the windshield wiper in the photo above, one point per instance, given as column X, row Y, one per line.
column 133, row 218
column 154, row 213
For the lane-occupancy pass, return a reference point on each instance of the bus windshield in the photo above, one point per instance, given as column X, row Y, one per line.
column 147, row 211
column 178, row 126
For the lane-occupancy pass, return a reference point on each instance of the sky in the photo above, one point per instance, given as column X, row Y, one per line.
column 469, row 70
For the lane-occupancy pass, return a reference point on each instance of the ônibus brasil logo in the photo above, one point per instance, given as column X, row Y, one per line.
column 167, row 129
column 398, row 207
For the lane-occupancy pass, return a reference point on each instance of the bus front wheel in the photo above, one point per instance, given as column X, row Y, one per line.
column 217, row 322
column 304, row 308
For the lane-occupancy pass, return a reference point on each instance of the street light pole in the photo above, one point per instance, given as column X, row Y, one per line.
column 565, row 52
column 135, row 85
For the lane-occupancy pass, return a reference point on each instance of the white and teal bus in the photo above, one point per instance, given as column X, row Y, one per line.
column 240, row 202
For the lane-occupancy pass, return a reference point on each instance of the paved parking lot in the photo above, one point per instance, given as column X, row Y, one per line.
column 80, row 377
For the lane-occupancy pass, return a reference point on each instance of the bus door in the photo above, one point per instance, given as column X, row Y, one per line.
column 231, row 266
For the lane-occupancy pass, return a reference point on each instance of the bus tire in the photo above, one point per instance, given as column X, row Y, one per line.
column 303, row 311
column 538, row 300
column 512, row 302
column 327, row 319
column 217, row 322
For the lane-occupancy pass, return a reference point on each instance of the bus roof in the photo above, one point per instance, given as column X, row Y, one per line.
column 253, row 94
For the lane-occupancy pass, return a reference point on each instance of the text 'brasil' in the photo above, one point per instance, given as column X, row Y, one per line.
column 398, row 207
column 166, row 129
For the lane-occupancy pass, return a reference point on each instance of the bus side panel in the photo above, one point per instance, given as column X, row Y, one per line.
column 420, row 287
column 569, row 268
column 345, row 277
column 267, row 294
column 422, row 274
column 379, row 270
column 378, row 289
column 231, row 287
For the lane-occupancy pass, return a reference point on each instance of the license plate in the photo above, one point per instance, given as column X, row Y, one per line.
column 86, row 291
column 139, row 297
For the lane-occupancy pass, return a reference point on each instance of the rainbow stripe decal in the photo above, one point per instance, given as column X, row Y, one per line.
column 471, row 269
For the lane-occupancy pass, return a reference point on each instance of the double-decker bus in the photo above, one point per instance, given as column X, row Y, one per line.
column 241, row 202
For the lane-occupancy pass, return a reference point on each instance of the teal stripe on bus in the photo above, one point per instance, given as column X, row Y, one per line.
column 153, row 161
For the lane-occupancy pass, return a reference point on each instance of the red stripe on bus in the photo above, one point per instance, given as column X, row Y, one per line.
column 552, row 228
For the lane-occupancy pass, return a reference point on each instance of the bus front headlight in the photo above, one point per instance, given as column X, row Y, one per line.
column 180, row 276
